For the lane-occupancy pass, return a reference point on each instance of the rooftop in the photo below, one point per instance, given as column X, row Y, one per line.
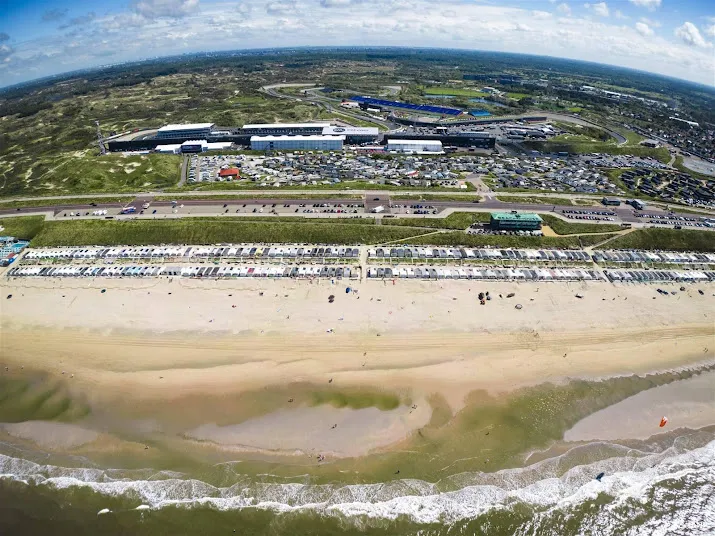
column 315, row 137
column 188, row 126
column 348, row 131
column 287, row 125
column 520, row 217
column 414, row 142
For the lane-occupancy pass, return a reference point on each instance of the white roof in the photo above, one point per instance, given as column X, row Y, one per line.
column 194, row 142
column 168, row 147
column 188, row 126
column 219, row 144
column 315, row 137
column 414, row 142
column 287, row 125
column 348, row 131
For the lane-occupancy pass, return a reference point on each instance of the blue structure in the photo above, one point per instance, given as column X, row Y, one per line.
column 479, row 113
column 443, row 110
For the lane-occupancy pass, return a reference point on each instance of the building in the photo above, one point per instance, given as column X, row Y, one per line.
column 229, row 173
column 188, row 131
column 513, row 221
column 650, row 143
column 353, row 135
column 301, row 143
column 194, row 146
column 172, row 148
column 415, row 146
column 284, row 129
column 610, row 201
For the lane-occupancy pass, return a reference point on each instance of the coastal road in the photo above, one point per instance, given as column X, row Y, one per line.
column 214, row 207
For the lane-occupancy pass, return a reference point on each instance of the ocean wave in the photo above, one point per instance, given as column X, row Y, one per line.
column 634, row 479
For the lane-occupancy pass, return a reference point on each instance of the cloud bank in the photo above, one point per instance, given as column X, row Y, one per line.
column 150, row 28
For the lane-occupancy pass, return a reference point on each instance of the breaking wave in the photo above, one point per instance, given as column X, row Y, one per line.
column 672, row 482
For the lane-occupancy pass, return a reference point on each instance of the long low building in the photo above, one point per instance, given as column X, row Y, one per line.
column 415, row 146
column 191, row 130
column 305, row 143
column 202, row 271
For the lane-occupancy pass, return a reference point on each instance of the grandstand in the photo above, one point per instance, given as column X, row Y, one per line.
column 442, row 110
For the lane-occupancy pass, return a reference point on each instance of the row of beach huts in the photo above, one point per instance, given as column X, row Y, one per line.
column 188, row 252
column 232, row 271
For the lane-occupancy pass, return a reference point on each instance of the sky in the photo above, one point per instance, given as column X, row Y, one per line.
column 45, row 37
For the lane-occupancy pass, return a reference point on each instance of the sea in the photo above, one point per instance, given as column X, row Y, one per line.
column 661, row 486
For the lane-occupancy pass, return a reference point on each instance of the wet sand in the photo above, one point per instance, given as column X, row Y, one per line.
column 143, row 344
column 687, row 404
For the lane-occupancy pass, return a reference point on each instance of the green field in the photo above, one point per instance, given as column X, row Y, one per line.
column 22, row 227
column 436, row 197
column 456, row 220
column 68, row 201
column 457, row 92
column 459, row 238
column 562, row 227
column 211, row 231
column 535, row 200
column 666, row 239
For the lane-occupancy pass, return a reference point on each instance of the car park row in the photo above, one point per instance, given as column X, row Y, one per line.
column 186, row 271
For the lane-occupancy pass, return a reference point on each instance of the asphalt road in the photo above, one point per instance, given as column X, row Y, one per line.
column 625, row 213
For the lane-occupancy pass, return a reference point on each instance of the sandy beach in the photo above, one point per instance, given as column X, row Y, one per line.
column 176, row 344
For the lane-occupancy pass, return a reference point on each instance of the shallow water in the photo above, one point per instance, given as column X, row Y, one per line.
column 663, row 487
column 660, row 485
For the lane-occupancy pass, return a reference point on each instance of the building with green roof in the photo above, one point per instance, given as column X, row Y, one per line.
column 514, row 221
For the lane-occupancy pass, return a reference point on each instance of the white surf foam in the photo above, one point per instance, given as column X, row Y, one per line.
column 630, row 475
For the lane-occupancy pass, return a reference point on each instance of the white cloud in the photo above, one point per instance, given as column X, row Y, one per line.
column 152, row 9
column 710, row 30
column 650, row 22
column 643, row 29
column 130, row 35
column 564, row 9
column 336, row 3
column 619, row 14
column 599, row 9
column 649, row 4
column 690, row 35
column 280, row 7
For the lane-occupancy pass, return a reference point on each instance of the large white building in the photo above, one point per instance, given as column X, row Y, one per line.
column 414, row 146
column 192, row 130
column 279, row 129
column 305, row 143
column 355, row 135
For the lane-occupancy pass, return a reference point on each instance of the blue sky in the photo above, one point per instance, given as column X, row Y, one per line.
column 43, row 37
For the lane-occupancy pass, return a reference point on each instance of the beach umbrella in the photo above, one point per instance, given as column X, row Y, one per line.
column 347, row 290
column 103, row 290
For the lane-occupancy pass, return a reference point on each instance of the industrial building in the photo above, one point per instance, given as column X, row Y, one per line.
column 284, row 129
column 304, row 143
column 353, row 135
column 188, row 131
column 513, row 221
column 414, row 146
column 480, row 140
